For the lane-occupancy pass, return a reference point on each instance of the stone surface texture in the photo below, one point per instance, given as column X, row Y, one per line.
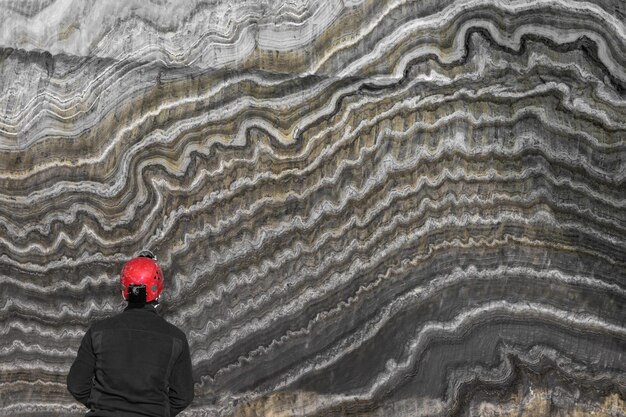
column 362, row 207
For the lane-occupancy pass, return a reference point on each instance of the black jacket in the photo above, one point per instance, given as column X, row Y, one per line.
column 132, row 364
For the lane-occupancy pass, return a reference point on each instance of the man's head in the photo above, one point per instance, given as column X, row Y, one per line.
column 139, row 273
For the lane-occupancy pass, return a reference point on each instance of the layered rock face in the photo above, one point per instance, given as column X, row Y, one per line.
column 362, row 208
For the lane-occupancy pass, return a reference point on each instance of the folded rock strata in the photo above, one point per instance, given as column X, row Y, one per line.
column 363, row 208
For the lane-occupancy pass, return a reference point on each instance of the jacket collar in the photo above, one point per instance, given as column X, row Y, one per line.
column 141, row 307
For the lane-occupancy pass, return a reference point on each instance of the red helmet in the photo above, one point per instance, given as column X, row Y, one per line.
column 142, row 270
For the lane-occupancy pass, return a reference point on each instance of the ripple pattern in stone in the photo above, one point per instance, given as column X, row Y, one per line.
column 363, row 208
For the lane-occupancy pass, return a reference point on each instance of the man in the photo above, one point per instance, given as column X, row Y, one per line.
column 135, row 363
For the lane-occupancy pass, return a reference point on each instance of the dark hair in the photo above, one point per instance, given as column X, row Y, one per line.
column 137, row 294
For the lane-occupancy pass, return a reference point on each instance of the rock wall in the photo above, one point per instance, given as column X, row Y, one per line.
column 362, row 208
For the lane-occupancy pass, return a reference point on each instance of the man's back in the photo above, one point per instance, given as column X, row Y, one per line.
column 139, row 365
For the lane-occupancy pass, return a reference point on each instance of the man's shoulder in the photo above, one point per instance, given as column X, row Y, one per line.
column 175, row 330
column 153, row 319
column 147, row 322
column 102, row 322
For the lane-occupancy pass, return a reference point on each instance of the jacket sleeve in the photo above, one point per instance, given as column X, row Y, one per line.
column 181, row 382
column 80, row 377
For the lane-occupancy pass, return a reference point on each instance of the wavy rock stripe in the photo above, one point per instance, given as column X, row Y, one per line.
column 363, row 208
